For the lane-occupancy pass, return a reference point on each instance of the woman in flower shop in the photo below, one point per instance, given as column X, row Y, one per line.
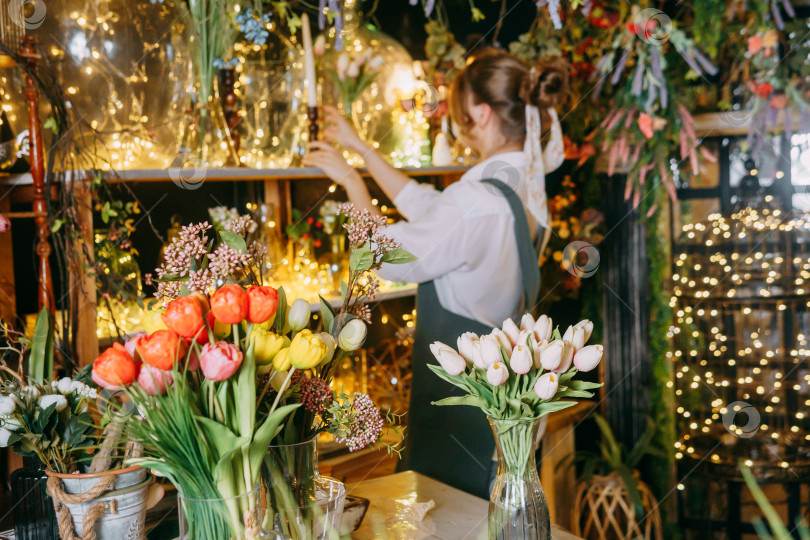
column 476, row 241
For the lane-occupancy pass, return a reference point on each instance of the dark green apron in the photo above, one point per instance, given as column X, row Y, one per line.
column 454, row 444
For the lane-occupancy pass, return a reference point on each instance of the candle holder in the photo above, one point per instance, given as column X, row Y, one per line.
column 312, row 115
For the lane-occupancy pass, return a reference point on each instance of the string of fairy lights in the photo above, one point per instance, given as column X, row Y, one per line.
column 739, row 339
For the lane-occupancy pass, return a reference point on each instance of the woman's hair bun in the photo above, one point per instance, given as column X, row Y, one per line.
column 546, row 83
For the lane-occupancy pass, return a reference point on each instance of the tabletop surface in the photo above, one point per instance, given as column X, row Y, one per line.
column 395, row 504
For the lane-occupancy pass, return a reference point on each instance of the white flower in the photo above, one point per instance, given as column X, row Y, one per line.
column 503, row 339
column 511, row 330
column 546, row 385
column 32, row 391
column 527, row 322
column 298, row 317
column 465, row 345
column 587, row 358
column 452, row 362
column 65, row 385
column 490, row 350
column 521, row 361
column 543, row 328
column 8, row 425
column 50, row 399
column 376, row 63
column 8, row 404
column 497, row 374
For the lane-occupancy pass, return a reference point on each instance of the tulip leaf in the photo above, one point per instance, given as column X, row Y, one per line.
column 573, row 393
column 40, row 361
column 556, row 334
column 265, row 433
column 583, row 385
column 246, row 391
column 547, row 407
column 461, row 382
column 327, row 314
column 218, row 435
column 397, row 256
column 361, row 259
column 461, row 400
column 281, row 312
column 234, row 241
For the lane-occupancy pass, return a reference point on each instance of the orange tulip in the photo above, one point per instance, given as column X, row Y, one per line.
column 262, row 304
column 114, row 368
column 202, row 335
column 161, row 349
column 185, row 316
column 230, row 304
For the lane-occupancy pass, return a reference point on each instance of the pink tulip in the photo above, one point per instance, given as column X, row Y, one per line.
column 132, row 344
column 543, row 328
column 503, row 339
column 465, row 345
column 490, row 351
column 587, row 358
column 551, row 354
column 193, row 360
column 220, row 360
column 154, row 381
column 527, row 322
column 497, row 374
column 566, row 358
column 546, row 385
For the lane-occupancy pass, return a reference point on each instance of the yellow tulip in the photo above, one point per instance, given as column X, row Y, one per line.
column 281, row 361
column 267, row 344
column 221, row 330
column 306, row 350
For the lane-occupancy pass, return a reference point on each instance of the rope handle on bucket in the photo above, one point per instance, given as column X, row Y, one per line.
column 60, row 498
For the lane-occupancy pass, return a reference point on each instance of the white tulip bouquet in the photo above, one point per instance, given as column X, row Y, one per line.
column 519, row 372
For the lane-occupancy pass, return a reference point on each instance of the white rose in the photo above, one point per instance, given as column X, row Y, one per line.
column 65, row 385
column 32, row 391
column 50, row 399
column 352, row 335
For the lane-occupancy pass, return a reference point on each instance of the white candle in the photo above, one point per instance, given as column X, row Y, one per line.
column 309, row 63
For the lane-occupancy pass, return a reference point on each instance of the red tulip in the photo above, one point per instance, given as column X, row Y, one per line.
column 114, row 368
column 230, row 304
column 220, row 360
column 262, row 304
column 185, row 316
column 161, row 349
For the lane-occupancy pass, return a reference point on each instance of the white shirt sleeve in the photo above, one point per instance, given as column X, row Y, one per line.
column 436, row 238
column 414, row 199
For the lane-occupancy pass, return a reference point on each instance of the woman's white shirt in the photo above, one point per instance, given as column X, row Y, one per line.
column 463, row 238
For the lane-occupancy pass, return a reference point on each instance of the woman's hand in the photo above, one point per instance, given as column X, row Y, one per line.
column 338, row 129
column 328, row 159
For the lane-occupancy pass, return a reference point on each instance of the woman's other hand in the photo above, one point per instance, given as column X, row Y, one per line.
column 328, row 159
column 338, row 129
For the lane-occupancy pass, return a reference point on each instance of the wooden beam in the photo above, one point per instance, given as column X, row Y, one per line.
column 82, row 284
column 8, row 299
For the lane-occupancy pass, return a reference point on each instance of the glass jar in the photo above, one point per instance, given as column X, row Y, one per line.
column 110, row 56
column 270, row 83
column 517, row 504
column 373, row 111
column 303, row 504
column 33, row 514
column 229, row 518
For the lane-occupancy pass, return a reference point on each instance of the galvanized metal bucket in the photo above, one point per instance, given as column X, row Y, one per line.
column 125, row 503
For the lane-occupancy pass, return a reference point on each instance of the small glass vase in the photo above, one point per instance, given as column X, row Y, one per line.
column 33, row 514
column 517, row 504
column 231, row 518
column 206, row 138
column 302, row 504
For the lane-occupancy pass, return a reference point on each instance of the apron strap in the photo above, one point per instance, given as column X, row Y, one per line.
column 529, row 268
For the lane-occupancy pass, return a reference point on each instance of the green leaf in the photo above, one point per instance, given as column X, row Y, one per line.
column 612, row 448
column 632, row 490
column 281, row 312
column 398, row 256
column 265, row 434
column 327, row 314
column 361, row 258
column 245, row 388
column 40, row 361
column 461, row 400
column 57, row 224
column 233, row 241
column 219, row 435
column 51, row 124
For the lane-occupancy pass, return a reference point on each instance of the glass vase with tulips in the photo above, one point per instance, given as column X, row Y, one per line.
column 517, row 375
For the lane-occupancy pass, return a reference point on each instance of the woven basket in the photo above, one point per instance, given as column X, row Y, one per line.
column 603, row 511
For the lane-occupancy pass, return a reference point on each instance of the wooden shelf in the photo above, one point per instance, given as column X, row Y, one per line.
column 230, row 174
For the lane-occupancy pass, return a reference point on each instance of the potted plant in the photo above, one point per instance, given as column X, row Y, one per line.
column 611, row 500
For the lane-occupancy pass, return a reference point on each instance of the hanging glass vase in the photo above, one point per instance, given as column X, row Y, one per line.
column 373, row 110
column 302, row 504
column 270, row 83
column 111, row 57
column 230, row 518
column 517, row 504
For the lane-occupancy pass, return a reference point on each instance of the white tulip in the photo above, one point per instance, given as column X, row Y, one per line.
column 53, row 399
column 376, row 63
column 8, row 404
column 551, row 354
column 587, row 326
column 575, row 335
column 452, row 362
column 465, row 345
column 503, row 339
column 352, row 335
column 543, row 328
column 511, row 330
column 527, row 322
column 567, row 358
column 5, row 435
column 497, row 374
column 298, row 317
column 546, row 386
column 587, row 358
column 537, row 348
column 490, row 350
column 521, row 361
column 353, row 70
column 476, row 354
column 342, row 65
column 8, row 425
column 525, row 337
